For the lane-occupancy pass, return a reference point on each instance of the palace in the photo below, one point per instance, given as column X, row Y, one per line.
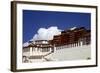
column 74, row 36
column 68, row 38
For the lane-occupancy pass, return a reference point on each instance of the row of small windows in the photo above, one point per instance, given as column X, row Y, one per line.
column 37, row 49
column 41, row 42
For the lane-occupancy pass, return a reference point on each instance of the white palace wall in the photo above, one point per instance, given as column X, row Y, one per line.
column 73, row 53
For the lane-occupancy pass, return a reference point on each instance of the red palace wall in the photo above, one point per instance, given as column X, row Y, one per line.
column 72, row 36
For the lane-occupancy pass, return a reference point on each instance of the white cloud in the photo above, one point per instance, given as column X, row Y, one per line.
column 25, row 44
column 73, row 28
column 46, row 34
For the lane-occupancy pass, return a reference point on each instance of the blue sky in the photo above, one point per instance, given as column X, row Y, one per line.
column 33, row 20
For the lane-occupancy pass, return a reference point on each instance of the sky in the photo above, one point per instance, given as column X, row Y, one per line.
column 36, row 22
